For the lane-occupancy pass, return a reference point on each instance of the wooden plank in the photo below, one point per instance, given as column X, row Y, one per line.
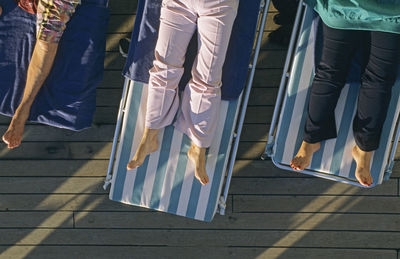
column 189, row 238
column 270, row 25
column 263, row 96
column 396, row 170
column 262, row 169
column 123, row 6
column 98, row 133
column 112, row 42
column 105, row 115
column 67, row 168
column 266, row 44
column 102, row 150
column 250, row 150
column 62, row 202
column 28, row 219
column 108, row 97
column 249, row 221
column 52, row 185
column 270, row 77
column 112, row 79
column 254, row 186
column 68, row 202
column 79, row 251
column 114, row 61
column 306, row 186
column 254, row 132
column 102, row 115
column 121, row 23
column 271, row 59
column 259, row 114
column 58, row 150
column 316, row 204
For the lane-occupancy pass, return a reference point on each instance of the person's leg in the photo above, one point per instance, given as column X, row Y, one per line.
column 201, row 98
column 178, row 23
column 39, row 67
column 373, row 100
column 330, row 77
column 51, row 21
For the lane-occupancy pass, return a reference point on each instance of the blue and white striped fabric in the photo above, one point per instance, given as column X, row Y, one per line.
column 166, row 181
column 334, row 160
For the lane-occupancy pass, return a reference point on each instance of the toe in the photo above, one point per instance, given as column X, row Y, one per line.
column 131, row 165
column 206, row 180
column 5, row 140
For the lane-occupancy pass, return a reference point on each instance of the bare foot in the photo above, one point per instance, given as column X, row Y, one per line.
column 363, row 160
column 198, row 157
column 304, row 155
column 1, row 10
column 148, row 144
column 13, row 135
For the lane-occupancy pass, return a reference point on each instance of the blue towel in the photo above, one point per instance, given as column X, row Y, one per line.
column 144, row 38
column 68, row 96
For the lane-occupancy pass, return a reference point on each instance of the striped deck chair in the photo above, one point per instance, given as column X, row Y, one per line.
column 166, row 182
column 334, row 160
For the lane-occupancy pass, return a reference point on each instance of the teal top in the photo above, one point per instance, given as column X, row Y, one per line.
column 372, row 15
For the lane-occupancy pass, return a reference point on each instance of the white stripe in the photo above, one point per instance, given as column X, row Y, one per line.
column 347, row 158
column 170, row 171
column 327, row 156
column 186, row 188
column 298, row 106
column 211, row 162
column 131, row 174
column 151, row 173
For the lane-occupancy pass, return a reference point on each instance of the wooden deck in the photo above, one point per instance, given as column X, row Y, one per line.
column 52, row 204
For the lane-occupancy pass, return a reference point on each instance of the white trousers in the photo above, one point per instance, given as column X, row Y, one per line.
column 202, row 96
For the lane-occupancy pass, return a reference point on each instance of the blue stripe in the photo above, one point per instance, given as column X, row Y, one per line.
column 219, row 170
column 179, row 175
column 130, row 126
column 139, row 182
column 292, row 93
column 161, row 167
column 388, row 124
column 345, row 126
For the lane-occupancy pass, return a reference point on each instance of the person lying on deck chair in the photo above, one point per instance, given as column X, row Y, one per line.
column 52, row 16
column 346, row 26
column 201, row 99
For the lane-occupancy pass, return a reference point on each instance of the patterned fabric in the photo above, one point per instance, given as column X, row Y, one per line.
column 52, row 17
column 371, row 15
column 29, row 6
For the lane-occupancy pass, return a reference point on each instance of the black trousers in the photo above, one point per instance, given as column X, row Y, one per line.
column 377, row 79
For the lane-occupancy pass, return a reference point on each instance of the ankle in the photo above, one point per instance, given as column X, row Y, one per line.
column 198, row 150
column 150, row 134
